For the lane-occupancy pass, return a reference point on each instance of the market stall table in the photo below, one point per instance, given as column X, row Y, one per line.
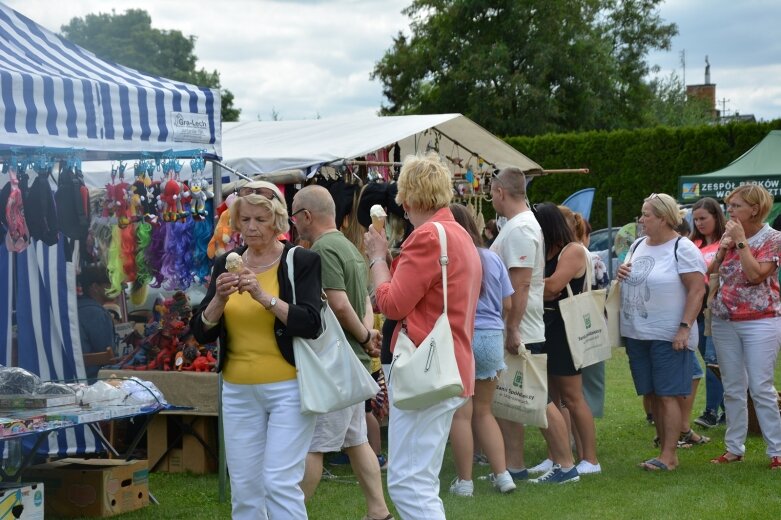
column 90, row 418
column 181, row 440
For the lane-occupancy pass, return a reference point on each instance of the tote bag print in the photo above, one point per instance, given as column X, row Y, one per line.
column 522, row 390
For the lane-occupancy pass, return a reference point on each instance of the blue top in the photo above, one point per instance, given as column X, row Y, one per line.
column 496, row 287
column 96, row 329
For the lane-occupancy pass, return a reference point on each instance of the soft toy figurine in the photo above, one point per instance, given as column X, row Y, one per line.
column 183, row 202
column 200, row 194
column 223, row 239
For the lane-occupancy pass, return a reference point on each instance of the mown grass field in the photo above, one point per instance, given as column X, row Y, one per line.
column 697, row 489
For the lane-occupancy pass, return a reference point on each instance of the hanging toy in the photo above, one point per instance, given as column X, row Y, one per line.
column 170, row 195
column 17, row 237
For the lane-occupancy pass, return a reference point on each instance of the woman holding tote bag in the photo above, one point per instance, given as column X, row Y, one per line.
column 414, row 296
column 566, row 263
column 661, row 295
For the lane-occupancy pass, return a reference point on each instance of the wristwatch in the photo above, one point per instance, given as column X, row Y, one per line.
column 271, row 303
column 684, row 325
column 741, row 245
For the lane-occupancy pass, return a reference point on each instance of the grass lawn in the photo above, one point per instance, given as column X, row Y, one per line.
column 697, row 489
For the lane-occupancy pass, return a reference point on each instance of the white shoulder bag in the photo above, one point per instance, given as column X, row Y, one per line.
column 423, row 375
column 330, row 375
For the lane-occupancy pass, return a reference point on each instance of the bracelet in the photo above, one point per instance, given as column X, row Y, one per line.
column 209, row 324
column 368, row 337
column 375, row 260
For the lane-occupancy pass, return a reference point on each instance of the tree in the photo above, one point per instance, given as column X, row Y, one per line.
column 522, row 67
column 671, row 106
column 130, row 40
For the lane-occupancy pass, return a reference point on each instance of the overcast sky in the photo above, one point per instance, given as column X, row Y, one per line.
column 304, row 58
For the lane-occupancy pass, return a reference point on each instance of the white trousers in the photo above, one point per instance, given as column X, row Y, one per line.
column 747, row 352
column 416, row 447
column 266, row 442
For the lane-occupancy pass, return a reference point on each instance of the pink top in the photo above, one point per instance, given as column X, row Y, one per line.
column 738, row 299
column 414, row 293
column 708, row 252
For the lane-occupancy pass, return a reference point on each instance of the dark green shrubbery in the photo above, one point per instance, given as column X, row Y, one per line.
column 629, row 165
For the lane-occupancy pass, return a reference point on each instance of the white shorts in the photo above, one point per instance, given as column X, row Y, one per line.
column 340, row 429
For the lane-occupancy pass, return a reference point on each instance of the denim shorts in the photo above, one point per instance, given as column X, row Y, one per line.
column 697, row 372
column 488, row 348
column 659, row 369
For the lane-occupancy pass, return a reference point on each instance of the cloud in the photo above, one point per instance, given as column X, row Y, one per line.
column 309, row 57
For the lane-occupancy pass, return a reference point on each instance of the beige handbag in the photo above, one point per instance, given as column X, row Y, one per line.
column 423, row 375
column 584, row 322
column 521, row 394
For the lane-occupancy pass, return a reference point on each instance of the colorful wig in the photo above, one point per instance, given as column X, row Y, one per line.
column 154, row 254
column 128, row 234
column 202, row 233
column 116, row 272
column 144, row 238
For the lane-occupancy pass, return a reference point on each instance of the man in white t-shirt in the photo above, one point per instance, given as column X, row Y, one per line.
column 521, row 247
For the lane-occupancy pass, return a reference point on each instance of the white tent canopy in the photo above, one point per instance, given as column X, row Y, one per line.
column 268, row 146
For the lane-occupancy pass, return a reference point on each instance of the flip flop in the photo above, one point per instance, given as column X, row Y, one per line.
column 654, row 465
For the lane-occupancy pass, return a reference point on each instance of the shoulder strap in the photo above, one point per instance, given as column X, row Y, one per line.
column 632, row 251
column 290, row 271
column 587, row 281
column 443, row 260
column 675, row 250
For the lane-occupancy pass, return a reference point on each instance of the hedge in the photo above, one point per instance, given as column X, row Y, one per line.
column 628, row 165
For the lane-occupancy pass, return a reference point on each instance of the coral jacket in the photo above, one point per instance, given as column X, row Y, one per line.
column 415, row 296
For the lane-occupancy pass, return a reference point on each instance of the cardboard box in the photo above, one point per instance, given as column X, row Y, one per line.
column 92, row 487
column 24, row 501
column 172, row 445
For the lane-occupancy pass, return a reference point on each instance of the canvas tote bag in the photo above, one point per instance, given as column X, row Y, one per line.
column 426, row 374
column 330, row 375
column 584, row 321
column 521, row 394
column 613, row 307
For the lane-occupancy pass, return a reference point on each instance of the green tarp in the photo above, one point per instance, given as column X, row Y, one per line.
column 760, row 165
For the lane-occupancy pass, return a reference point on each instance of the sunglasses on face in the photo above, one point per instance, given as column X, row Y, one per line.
column 265, row 192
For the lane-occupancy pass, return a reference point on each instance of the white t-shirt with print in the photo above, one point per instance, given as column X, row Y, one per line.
column 520, row 244
column 653, row 297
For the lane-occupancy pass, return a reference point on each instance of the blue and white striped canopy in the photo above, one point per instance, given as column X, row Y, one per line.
column 56, row 95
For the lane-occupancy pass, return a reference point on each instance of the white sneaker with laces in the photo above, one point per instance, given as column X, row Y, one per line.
column 586, row 468
column 542, row 467
column 503, row 482
column 462, row 488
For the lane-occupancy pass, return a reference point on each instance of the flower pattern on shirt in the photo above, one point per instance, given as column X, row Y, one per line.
column 738, row 299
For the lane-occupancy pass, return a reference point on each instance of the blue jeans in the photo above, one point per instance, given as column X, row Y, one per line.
column 714, row 391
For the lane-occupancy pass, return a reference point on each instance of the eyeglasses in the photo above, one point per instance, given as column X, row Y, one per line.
column 265, row 192
column 293, row 215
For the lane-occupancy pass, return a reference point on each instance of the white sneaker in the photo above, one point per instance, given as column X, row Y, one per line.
column 462, row 488
column 503, row 481
column 542, row 467
column 585, row 468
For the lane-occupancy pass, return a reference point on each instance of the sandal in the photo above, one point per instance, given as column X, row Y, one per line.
column 687, row 440
column 655, row 465
column 723, row 459
column 775, row 462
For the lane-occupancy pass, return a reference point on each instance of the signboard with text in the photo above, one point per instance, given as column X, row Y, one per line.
column 696, row 187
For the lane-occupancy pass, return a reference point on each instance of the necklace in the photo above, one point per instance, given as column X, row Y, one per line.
column 262, row 266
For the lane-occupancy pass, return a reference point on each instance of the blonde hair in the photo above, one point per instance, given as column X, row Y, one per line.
column 666, row 208
column 424, row 183
column 575, row 221
column 755, row 195
column 275, row 206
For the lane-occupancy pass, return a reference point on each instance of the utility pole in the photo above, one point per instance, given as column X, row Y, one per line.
column 723, row 102
column 683, row 64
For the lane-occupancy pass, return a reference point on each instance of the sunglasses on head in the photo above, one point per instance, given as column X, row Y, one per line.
column 265, row 192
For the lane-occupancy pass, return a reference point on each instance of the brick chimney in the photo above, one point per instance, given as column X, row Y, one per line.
column 706, row 91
